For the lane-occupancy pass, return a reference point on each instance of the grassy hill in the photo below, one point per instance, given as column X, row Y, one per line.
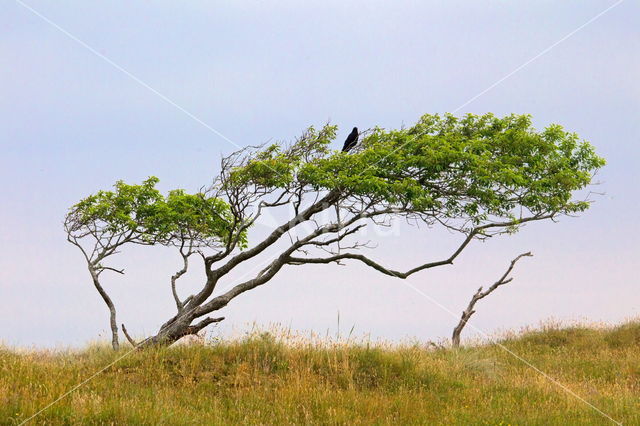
column 263, row 380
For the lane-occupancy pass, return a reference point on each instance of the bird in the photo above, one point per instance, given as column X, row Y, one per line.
column 351, row 140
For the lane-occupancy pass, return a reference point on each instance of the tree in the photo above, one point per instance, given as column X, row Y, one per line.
column 139, row 214
column 478, row 176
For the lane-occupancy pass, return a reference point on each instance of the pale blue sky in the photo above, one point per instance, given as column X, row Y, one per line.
column 71, row 123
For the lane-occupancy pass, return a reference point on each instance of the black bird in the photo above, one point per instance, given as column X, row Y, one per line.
column 351, row 140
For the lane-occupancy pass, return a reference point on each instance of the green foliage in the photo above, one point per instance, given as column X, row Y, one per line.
column 143, row 215
column 472, row 167
column 199, row 216
column 276, row 167
column 129, row 208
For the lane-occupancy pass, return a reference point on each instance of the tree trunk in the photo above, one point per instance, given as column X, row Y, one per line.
column 176, row 328
column 168, row 334
column 112, row 309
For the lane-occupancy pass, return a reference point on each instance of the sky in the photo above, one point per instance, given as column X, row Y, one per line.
column 94, row 92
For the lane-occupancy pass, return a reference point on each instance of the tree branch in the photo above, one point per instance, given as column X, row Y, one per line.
column 181, row 272
column 215, row 275
column 126, row 334
column 398, row 274
column 101, row 268
column 467, row 313
column 196, row 328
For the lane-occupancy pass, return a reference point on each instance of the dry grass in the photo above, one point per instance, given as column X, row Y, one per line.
column 268, row 378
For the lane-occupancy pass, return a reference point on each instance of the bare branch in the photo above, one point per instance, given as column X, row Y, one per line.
column 126, row 334
column 398, row 274
column 205, row 322
column 467, row 313
column 101, row 268
column 181, row 272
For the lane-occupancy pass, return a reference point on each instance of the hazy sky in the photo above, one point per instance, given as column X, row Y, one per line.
column 72, row 123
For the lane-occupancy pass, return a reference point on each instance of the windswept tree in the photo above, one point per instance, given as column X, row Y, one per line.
column 101, row 224
column 478, row 176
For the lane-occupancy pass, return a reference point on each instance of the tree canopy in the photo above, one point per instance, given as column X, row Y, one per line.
column 471, row 167
column 141, row 214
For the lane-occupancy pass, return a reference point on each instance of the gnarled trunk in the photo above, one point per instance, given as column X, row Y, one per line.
column 176, row 328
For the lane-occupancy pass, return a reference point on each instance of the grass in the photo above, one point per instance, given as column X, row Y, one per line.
column 270, row 379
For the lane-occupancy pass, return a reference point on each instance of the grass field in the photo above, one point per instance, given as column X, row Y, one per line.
column 269, row 380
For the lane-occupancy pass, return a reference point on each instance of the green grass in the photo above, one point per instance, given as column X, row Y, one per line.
column 273, row 380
